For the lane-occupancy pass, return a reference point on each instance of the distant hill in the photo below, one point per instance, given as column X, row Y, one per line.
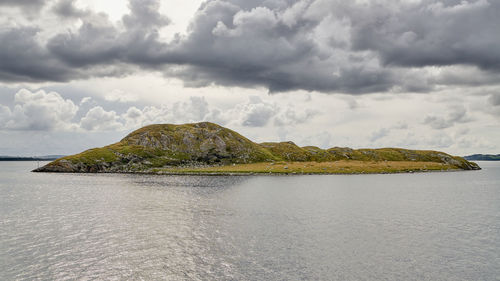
column 34, row 158
column 191, row 147
column 483, row 157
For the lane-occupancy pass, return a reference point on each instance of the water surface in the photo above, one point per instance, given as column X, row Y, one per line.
column 433, row 226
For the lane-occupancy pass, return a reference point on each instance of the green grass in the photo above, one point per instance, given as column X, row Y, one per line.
column 92, row 156
column 336, row 167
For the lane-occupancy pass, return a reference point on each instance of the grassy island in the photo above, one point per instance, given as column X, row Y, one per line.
column 207, row 148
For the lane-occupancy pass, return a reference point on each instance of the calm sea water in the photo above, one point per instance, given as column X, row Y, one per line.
column 435, row 226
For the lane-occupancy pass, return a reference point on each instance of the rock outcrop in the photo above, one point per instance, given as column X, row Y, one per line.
column 199, row 144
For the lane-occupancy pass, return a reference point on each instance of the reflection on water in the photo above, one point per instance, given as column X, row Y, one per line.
column 437, row 226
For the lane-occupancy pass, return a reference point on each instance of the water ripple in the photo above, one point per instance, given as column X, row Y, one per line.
column 440, row 226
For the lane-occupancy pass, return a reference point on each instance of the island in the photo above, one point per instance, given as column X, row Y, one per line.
column 483, row 157
column 207, row 148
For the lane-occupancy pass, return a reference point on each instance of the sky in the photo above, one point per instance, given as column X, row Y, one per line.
column 418, row 74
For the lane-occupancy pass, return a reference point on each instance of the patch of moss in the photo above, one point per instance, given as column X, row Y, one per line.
column 92, row 156
column 288, row 151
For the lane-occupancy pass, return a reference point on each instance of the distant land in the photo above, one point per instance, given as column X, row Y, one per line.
column 207, row 148
column 483, row 157
column 34, row 158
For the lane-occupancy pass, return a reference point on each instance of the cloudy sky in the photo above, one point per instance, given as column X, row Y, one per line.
column 422, row 74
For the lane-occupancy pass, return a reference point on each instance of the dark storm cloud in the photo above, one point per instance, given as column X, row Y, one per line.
column 92, row 44
column 23, row 59
column 99, row 42
column 433, row 33
column 317, row 45
column 97, row 48
column 259, row 46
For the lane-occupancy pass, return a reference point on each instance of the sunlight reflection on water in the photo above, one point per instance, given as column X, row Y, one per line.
column 393, row 227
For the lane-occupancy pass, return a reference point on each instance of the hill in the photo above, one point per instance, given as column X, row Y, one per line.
column 483, row 157
column 209, row 148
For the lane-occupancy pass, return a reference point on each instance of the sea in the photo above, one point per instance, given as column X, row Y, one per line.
column 420, row 226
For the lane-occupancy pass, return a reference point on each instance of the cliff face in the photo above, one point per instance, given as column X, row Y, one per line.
column 198, row 144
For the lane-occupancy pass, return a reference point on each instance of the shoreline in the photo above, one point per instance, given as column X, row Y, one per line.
column 341, row 167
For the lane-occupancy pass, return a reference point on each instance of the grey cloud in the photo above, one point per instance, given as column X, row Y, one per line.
column 66, row 9
column 314, row 45
column 98, row 48
column 431, row 33
column 93, row 44
column 297, row 46
column 99, row 42
column 322, row 139
column 144, row 14
column 260, row 46
column 380, row 133
column 439, row 140
column 437, row 122
column 293, row 116
column 257, row 115
column 456, row 115
column 494, row 99
column 23, row 3
column 385, row 131
column 23, row 59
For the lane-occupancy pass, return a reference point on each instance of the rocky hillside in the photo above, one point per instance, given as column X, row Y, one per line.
column 202, row 144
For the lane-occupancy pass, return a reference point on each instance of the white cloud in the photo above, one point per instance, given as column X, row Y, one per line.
column 255, row 113
column 134, row 117
column 194, row 109
column 85, row 100
column 323, row 120
column 120, row 96
column 5, row 115
column 291, row 115
column 38, row 111
column 98, row 119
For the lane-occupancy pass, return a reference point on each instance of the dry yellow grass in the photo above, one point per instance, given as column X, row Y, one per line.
column 336, row 167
